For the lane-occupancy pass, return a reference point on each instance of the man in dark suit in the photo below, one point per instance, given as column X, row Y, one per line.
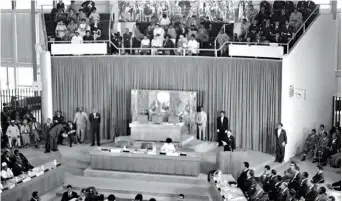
column 45, row 129
column 281, row 141
column 243, row 176
column 35, row 196
column 303, row 185
column 222, row 127
column 95, row 120
column 294, row 182
column 229, row 142
column 54, row 132
column 58, row 118
column 312, row 193
column 24, row 162
column 69, row 194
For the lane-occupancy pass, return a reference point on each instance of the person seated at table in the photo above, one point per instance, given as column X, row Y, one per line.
column 168, row 146
column 111, row 197
column 138, row 197
column 69, row 194
column 319, row 176
column 18, row 168
column 26, row 164
column 249, row 182
column 35, row 196
column 243, row 175
column 7, row 158
column 229, row 142
column 266, row 175
column 294, row 182
column 6, row 173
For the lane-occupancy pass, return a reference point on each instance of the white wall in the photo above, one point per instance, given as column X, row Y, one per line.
column 310, row 66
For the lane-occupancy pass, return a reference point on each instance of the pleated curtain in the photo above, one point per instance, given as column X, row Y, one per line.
column 249, row 90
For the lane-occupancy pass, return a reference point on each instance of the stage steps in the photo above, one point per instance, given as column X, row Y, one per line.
column 128, row 188
column 200, row 180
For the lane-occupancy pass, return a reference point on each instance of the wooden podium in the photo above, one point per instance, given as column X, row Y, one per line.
column 231, row 162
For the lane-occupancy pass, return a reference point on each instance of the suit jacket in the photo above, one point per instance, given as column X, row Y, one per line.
column 9, row 161
column 222, row 127
column 17, row 169
column 311, row 194
column 318, row 178
column 303, row 187
column 283, row 195
column 95, row 120
column 323, row 143
column 56, row 130
column 46, row 128
column 67, row 198
column 59, row 119
column 242, row 178
column 282, row 137
column 230, row 143
column 295, row 181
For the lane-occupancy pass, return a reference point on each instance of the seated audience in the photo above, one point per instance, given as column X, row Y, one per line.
column 168, row 43
column 322, row 195
column 291, row 171
column 138, row 197
column 138, row 36
column 60, row 30
column 35, row 196
column 25, row 133
column 71, row 16
column 77, row 38
column 18, row 168
column 310, row 143
column 193, row 45
column 6, row 172
column 192, row 31
column 70, row 130
column 262, row 16
column 158, row 32
column 319, row 176
column 244, row 29
column 60, row 5
column 248, row 183
column 58, row 118
column 251, row 13
column 95, row 29
column 296, row 19
column 283, row 194
column 13, row 135
column 222, row 37
column 243, row 175
column 164, row 21
column 253, row 30
column 69, row 194
column 294, row 182
column 127, row 40
column 72, row 6
column 82, row 28
column 321, row 149
column 82, row 16
column 71, row 28
column 287, row 32
column 304, row 185
column 88, row 37
column 156, row 42
column 171, row 31
column 182, row 44
column 168, row 146
column 267, row 30
column 202, row 35
column 94, row 15
column 270, row 181
column 26, row 164
column 145, row 43
column 111, row 197
column 336, row 186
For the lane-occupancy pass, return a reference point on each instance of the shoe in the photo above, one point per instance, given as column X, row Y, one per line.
column 98, row 145
column 36, row 146
column 303, row 159
column 92, row 145
column 47, row 152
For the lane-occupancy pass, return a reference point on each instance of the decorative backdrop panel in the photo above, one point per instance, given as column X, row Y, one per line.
column 181, row 105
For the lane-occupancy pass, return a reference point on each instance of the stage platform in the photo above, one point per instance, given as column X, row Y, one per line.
column 79, row 174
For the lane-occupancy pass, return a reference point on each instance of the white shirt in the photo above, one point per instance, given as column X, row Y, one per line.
column 279, row 131
column 145, row 42
column 12, row 131
column 164, row 21
column 7, row 174
column 156, row 42
column 168, row 147
column 77, row 39
column 193, row 45
column 160, row 31
column 222, row 119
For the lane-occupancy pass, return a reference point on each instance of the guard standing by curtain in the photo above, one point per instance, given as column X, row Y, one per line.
column 95, row 120
column 222, row 127
column 281, row 141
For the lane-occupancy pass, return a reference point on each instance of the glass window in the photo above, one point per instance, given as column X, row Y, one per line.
column 6, row 4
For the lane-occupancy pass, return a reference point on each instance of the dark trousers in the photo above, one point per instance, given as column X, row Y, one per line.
column 95, row 130
column 220, row 137
column 47, row 143
column 53, row 143
column 280, row 152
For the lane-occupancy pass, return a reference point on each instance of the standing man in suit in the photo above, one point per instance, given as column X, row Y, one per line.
column 281, row 141
column 201, row 120
column 69, row 194
column 222, row 127
column 95, row 120
column 81, row 120
column 45, row 129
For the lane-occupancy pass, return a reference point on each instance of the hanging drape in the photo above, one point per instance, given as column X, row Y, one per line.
column 248, row 90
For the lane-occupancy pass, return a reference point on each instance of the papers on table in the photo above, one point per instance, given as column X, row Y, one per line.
column 116, row 150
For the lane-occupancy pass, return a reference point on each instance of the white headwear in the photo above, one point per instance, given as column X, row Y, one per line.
column 3, row 164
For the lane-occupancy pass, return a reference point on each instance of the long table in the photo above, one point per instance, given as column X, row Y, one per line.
column 153, row 164
column 156, row 132
column 44, row 183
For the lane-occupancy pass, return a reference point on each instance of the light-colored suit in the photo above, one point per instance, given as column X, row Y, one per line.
column 201, row 120
column 81, row 119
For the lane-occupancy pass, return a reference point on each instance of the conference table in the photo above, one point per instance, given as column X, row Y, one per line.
column 143, row 162
column 156, row 132
column 43, row 181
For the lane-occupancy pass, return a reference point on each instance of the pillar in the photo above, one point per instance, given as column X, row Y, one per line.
column 45, row 66
column 34, row 39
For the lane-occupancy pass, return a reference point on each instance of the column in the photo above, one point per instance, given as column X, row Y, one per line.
column 45, row 67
